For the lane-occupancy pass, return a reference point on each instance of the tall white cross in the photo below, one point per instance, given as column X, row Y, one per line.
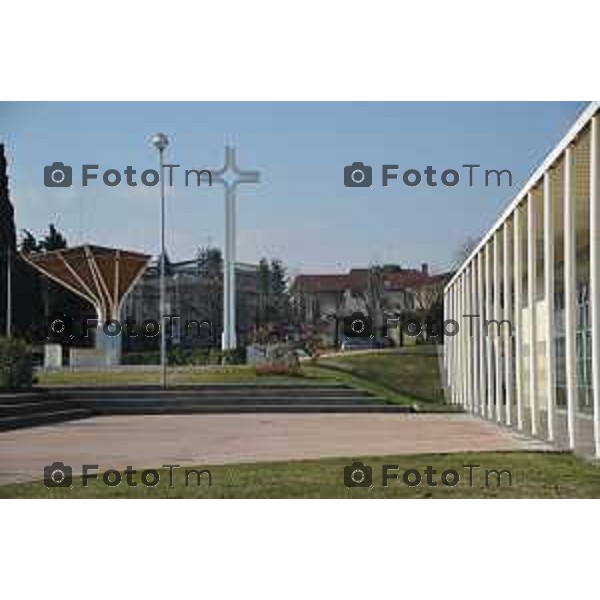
column 230, row 175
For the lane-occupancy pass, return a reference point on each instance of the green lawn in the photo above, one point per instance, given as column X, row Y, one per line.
column 176, row 375
column 534, row 475
column 410, row 373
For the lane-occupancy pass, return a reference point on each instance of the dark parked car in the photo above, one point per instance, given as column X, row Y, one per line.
column 359, row 343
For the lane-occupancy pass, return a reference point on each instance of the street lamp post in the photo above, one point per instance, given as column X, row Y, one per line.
column 160, row 141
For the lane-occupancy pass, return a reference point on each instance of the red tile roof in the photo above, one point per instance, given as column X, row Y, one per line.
column 358, row 279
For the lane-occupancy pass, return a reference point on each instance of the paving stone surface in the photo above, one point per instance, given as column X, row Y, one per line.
column 151, row 441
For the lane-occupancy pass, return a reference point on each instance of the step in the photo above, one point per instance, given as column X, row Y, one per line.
column 198, row 387
column 213, row 393
column 42, row 418
column 37, row 406
column 258, row 408
column 108, row 404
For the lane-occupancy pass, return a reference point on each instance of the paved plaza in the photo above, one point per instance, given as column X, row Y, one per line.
column 151, row 441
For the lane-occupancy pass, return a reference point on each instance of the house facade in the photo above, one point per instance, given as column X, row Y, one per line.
column 384, row 293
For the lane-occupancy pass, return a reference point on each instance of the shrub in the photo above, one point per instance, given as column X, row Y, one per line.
column 233, row 357
column 16, row 365
column 186, row 356
column 151, row 357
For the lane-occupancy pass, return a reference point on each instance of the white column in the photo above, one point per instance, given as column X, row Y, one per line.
column 471, row 340
column 452, row 346
column 595, row 273
column 225, row 345
column 549, row 296
column 481, row 338
column 518, row 312
column 454, row 365
column 474, row 327
column 570, row 291
column 460, row 370
column 455, row 344
column 468, row 340
column 488, row 338
column 232, row 287
column 463, row 344
column 497, row 335
column 531, row 306
column 508, row 370
column 446, row 346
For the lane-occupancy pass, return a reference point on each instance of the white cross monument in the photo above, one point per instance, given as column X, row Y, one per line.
column 230, row 176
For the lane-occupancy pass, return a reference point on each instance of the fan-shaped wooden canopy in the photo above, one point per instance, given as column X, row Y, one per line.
column 102, row 276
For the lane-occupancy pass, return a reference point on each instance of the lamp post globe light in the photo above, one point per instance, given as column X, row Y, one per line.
column 160, row 141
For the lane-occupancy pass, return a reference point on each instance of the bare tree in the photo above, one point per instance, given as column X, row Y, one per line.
column 465, row 249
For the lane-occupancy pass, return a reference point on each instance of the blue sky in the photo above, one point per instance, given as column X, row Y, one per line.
column 301, row 212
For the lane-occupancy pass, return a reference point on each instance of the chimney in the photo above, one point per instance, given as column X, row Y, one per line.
column 425, row 269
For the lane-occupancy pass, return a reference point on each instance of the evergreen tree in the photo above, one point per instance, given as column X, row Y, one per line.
column 7, row 239
column 210, row 262
column 54, row 240
column 263, row 288
column 273, row 297
column 279, row 293
column 55, row 299
column 29, row 243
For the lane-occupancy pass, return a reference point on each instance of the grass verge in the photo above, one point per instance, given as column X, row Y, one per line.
column 406, row 376
column 176, row 375
column 534, row 475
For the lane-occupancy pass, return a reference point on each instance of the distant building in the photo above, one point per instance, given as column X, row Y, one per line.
column 322, row 301
column 194, row 293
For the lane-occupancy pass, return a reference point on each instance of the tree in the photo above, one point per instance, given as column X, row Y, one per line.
column 29, row 243
column 280, row 300
column 465, row 249
column 54, row 240
column 7, row 238
column 54, row 298
column 210, row 263
column 210, row 260
column 375, row 299
column 273, row 308
column 263, row 288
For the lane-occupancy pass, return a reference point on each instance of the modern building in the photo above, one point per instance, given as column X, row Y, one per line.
column 194, row 293
column 538, row 270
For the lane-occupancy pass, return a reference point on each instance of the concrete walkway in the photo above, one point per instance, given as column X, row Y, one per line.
column 151, row 441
